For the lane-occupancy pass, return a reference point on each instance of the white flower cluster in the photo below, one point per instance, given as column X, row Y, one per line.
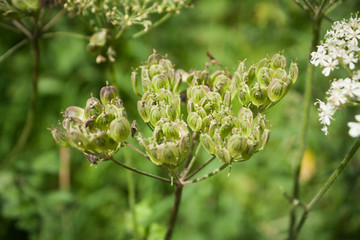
column 341, row 46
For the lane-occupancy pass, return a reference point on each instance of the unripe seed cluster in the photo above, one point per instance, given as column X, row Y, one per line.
column 99, row 129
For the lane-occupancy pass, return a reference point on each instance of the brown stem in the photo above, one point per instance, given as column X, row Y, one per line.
column 64, row 171
column 175, row 210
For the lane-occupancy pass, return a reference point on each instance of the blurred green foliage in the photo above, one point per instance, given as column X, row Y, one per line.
column 246, row 205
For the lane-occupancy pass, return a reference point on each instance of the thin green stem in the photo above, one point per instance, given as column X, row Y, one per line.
column 320, row 194
column 131, row 197
column 193, row 159
column 200, row 168
column 13, row 49
column 159, row 22
column 65, row 34
column 137, row 150
column 21, row 141
column 140, row 172
column 175, row 210
column 24, row 30
column 304, row 126
column 189, row 157
column 53, row 20
column 216, row 171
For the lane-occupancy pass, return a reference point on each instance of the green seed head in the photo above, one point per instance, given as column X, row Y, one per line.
column 207, row 143
column 194, row 121
column 107, row 93
column 60, row 136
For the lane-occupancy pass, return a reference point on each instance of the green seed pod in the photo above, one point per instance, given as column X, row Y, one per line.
column 206, row 124
column 134, row 81
column 265, row 138
column 107, row 93
column 244, row 95
column 166, row 64
column 92, row 110
column 207, row 143
column 156, row 113
column 184, row 145
column 119, row 129
column 145, row 79
column 160, row 81
column 281, row 75
column 153, row 58
column 100, row 143
column 223, row 155
column 245, row 127
column 278, row 61
column 194, row 121
column 74, row 112
column 171, row 112
column 250, row 149
column 60, row 137
column 276, row 90
column 250, row 76
column 263, row 77
column 156, row 69
column 152, row 153
column 214, row 76
column 171, row 130
column 197, row 93
column 227, row 98
column 143, row 110
column 262, row 63
column 78, row 140
column 236, row 145
column 293, row 72
column 103, row 121
column 168, row 153
column 225, row 129
column 221, row 83
column 245, row 114
column 258, row 95
column 165, row 95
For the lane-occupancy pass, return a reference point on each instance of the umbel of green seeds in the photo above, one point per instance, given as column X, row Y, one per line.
column 98, row 130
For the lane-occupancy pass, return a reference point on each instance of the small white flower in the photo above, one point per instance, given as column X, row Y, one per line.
column 355, row 127
column 350, row 60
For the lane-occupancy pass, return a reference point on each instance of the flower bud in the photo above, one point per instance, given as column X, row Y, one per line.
column 223, row 155
column 60, row 137
column 207, row 143
column 168, row 153
column 278, row 61
column 74, row 112
column 107, row 93
column 293, row 72
column 276, row 90
column 160, row 81
column 119, row 129
column 194, row 121
column 236, row 145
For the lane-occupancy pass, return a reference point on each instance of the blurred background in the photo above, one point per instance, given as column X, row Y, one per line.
column 51, row 193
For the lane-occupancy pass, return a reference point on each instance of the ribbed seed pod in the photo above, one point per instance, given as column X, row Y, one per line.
column 74, row 112
column 194, row 121
column 60, row 137
column 276, row 90
column 107, row 93
column 168, row 153
column 119, row 129
column 143, row 110
column 223, row 155
column 236, row 145
column 207, row 143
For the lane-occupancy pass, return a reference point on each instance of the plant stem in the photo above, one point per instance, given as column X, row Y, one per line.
column 13, row 49
column 137, row 150
column 189, row 157
column 200, row 168
column 216, row 171
column 159, row 22
column 305, row 123
column 320, row 194
column 21, row 141
column 65, row 34
column 140, row 172
column 131, row 197
column 175, row 210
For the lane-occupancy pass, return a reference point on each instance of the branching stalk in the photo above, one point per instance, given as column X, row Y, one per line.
column 175, row 210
